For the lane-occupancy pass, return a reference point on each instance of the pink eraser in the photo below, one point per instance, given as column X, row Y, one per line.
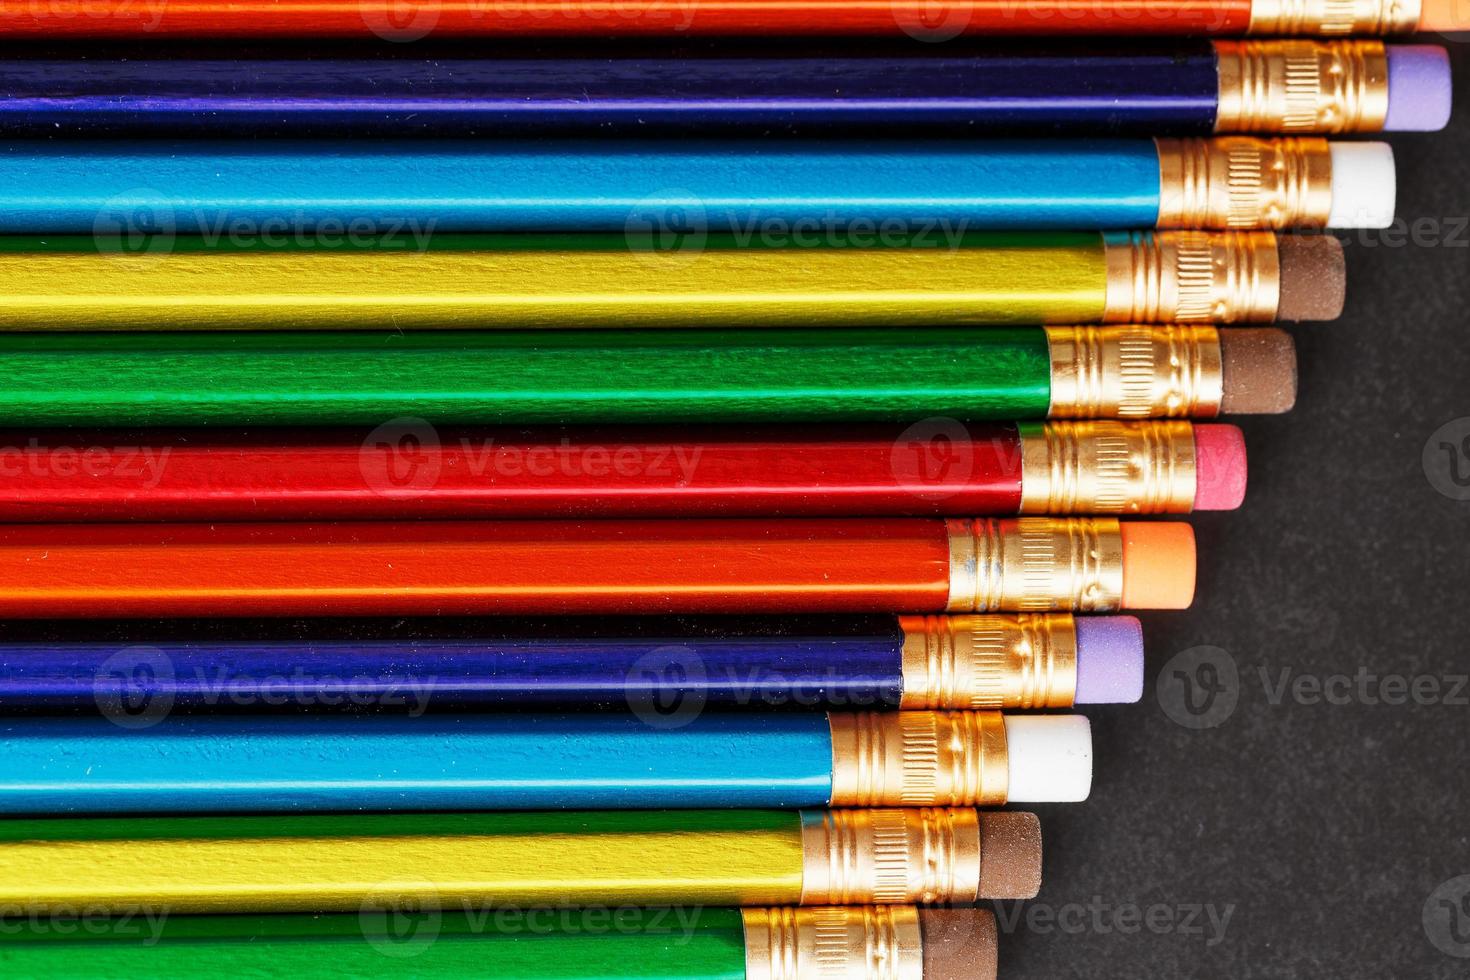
column 1420, row 89
column 1219, row 467
column 1109, row 660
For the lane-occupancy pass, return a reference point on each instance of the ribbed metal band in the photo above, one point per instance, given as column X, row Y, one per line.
column 1302, row 86
column 1035, row 564
column 1192, row 277
column 1335, row 18
column 1107, row 467
column 890, row 856
column 864, row 943
column 1244, row 182
column 918, row 758
column 1021, row 661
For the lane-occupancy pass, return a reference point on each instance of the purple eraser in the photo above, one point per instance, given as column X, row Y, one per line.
column 1420, row 89
column 1109, row 660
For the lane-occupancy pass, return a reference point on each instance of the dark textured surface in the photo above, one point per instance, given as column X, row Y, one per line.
column 1326, row 827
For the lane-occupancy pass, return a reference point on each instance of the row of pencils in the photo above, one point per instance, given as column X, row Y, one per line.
column 584, row 509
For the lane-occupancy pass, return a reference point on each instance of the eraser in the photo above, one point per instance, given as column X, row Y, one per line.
column 959, row 944
column 1049, row 758
column 1420, row 89
column 1219, row 467
column 1109, row 660
column 1364, row 185
column 1158, row 565
column 1010, row 854
column 1444, row 16
column 1313, row 277
column 1258, row 371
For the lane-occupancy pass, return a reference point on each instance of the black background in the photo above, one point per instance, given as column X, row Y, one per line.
column 1326, row 827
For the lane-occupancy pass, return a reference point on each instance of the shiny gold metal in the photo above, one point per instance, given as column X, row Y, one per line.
column 1334, row 18
column 1035, row 564
column 1192, row 276
column 872, row 943
column 1135, row 372
column 1244, row 182
column 1302, row 86
column 1107, row 467
column 1023, row 661
column 890, row 856
column 918, row 758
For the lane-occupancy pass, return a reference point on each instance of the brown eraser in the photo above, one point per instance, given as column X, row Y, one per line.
column 1313, row 277
column 1258, row 368
column 1010, row 855
column 959, row 944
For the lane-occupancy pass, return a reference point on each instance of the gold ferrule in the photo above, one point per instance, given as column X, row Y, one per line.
column 1334, row 18
column 918, row 758
column 1302, row 86
column 1035, row 564
column 1135, row 372
column 890, row 856
column 1244, row 182
column 873, row 943
column 977, row 662
column 1107, row 467
column 1192, row 277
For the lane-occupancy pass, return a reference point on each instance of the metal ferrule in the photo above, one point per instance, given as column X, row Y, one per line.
column 1107, row 467
column 1301, row 86
column 890, row 856
column 1244, row 182
column 1024, row 661
column 918, row 758
column 1334, row 18
column 874, row 943
column 1192, row 277
column 1035, row 564
column 1135, row 372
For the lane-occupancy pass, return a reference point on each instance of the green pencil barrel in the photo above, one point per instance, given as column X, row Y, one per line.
column 427, row 943
column 349, row 378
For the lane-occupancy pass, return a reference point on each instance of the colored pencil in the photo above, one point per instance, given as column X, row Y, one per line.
column 1015, row 662
column 151, row 762
column 913, row 565
column 665, row 376
column 417, row 470
column 798, row 187
column 867, row 943
column 510, row 860
column 919, row 278
column 410, row 20
column 1182, row 87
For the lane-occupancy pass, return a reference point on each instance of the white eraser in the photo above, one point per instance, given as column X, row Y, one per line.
column 1364, row 185
column 1050, row 758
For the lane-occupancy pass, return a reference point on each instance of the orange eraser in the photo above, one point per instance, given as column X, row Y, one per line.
column 1445, row 16
column 1158, row 565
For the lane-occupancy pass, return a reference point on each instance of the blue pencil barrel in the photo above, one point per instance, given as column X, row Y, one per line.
column 798, row 190
column 794, row 663
column 471, row 762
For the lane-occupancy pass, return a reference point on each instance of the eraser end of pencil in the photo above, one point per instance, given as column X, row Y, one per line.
column 1258, row 369
column 1420, row 89
column 1444, row 16
column 1158, row 565
column 1010, row 855
column 1313, row 277
column 1220, row 470
column 1364, row 185
column 1109, row 660
column 959, row 944
column 1049, row 758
